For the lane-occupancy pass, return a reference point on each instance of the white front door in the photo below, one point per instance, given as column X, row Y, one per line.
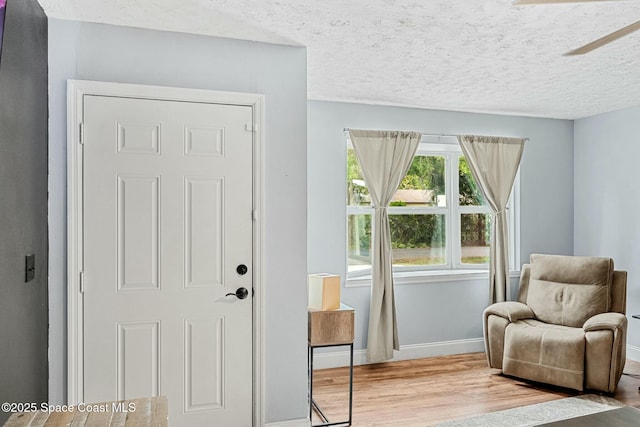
column 167, row 221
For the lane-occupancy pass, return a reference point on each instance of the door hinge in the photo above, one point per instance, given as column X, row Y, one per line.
column 82, row 282
column 81, row 134
column 254, row 215
column 251, row 127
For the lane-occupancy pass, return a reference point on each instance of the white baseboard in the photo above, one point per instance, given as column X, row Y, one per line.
column 339, row 359
column 302, row 422
column 633, row 352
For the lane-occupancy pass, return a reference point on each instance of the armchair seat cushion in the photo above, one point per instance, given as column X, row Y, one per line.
column 544, row 352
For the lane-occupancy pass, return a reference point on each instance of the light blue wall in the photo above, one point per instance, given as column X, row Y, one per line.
column 446, row 311
column 127, row 55
column 607, row 198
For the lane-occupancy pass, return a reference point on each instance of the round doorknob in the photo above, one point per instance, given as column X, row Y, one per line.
column 240, row 293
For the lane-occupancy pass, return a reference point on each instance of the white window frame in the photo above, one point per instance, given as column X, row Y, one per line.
column 448, row 148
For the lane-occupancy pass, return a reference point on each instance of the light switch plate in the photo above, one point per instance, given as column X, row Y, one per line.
column 29, row 267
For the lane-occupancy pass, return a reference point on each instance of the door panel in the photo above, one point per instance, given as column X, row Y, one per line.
column 168, row 202
column 204, row 367
column 138, row 237
column 138, row 353
column 204, row 223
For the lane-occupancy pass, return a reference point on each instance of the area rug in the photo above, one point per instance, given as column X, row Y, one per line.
column 540, row 413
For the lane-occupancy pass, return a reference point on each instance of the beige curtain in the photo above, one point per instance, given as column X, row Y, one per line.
column 494, row 163
column 385, row 158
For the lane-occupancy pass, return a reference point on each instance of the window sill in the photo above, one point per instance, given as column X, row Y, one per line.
column 432, row 276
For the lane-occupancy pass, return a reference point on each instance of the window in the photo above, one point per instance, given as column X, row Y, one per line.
column 438, row 217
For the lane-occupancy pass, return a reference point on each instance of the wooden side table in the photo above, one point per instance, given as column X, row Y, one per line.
column 330, row 329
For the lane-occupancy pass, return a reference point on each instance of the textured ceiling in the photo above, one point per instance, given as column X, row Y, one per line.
column 463, row 55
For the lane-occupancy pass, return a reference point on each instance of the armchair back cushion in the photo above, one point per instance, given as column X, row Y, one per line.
column 568, row 290
column 618, row 289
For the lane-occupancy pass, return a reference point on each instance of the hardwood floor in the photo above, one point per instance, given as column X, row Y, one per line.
column 428, row 391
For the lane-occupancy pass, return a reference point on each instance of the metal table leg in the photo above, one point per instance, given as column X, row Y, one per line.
column 314, row 405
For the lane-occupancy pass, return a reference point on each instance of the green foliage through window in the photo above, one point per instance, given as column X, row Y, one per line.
column 420, row 238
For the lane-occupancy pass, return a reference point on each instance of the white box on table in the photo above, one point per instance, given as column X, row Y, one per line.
column 324, row 291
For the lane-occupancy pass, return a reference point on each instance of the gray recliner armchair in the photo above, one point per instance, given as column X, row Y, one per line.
column 568, row 327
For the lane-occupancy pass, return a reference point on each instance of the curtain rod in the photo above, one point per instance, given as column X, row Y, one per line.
column 424, row 134
column 439, row 135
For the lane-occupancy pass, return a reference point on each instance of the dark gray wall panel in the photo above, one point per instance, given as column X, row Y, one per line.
column 23, row 204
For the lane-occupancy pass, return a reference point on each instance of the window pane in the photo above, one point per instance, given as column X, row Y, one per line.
column 468, row 192
column 424, row 184
column 357, row 191
column 358, row 242
column 418, row 239
column 475, row 236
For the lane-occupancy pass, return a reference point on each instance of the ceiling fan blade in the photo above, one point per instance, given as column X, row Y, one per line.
column 523, row 2
column 605, row 40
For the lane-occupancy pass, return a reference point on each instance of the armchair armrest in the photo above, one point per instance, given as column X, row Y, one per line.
column 510, row 310
column 605, row 335
column 605, row 321
column 494, row 327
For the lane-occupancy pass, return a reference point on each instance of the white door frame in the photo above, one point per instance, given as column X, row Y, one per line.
column 76, row 90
